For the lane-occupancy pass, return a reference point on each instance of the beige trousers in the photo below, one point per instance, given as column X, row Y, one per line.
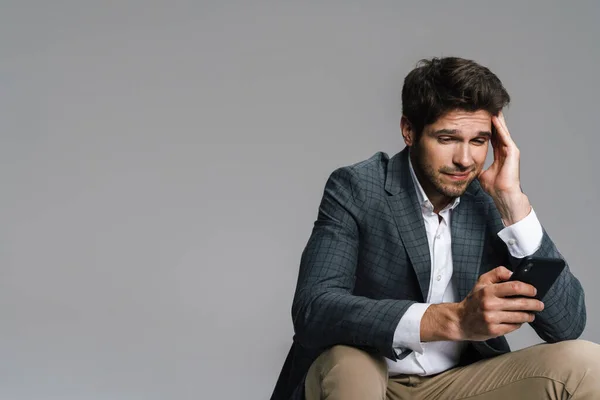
column 565, row 370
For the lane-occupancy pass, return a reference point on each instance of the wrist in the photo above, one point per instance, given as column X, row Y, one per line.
column 441, row 322
column 512, row 207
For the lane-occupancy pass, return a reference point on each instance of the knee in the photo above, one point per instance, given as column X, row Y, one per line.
column 345, row 369
column 576, row 354
column 352, row 361
column 580, row 361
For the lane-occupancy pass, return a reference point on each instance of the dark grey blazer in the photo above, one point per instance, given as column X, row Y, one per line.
column 367, row 260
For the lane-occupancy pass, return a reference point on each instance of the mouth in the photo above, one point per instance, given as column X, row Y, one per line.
column 458, row 177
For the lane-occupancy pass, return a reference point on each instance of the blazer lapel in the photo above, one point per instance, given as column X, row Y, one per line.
column 408, row 217
column 468, row 237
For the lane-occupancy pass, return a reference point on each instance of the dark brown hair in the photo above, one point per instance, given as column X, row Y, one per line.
column 440, row 85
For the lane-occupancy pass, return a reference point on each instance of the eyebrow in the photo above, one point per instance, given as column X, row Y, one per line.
column 487, row 134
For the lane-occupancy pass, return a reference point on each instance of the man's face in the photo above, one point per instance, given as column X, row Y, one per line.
column 450, row 153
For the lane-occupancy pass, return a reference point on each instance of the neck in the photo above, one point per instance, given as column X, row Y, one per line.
column 437, row 207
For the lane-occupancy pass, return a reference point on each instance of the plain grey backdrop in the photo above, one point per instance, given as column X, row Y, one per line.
column 163, row 161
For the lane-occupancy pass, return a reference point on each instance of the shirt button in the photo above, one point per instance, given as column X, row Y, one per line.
column 439, row 277
column 512, row 241
column 438, row 236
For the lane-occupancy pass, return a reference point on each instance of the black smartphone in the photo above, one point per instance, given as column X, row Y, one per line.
column 539, row 272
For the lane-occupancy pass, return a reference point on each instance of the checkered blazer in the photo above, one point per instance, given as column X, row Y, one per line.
column 367, row 261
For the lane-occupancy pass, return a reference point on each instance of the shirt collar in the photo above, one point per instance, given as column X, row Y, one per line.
column 422, row 196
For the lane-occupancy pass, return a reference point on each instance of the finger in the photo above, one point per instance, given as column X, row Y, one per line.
column 495, row 142
column 514, row 317
column 521, row 304
column 514, row 288
column 499, row 274
column 505, row 329
column 503, row 122
column 502, row 131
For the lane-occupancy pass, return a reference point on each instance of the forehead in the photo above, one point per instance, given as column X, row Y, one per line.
column 466, row 121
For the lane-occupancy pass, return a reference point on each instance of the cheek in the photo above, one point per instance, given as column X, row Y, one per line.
column 436, row 161
column 480, row 156
column 437, row 155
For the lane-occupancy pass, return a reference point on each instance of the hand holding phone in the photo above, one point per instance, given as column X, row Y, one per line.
column 539, row 272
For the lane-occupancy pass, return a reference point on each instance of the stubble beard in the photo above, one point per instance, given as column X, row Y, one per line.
column 448, row 189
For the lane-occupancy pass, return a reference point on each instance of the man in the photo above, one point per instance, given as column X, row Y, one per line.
column 402, row 290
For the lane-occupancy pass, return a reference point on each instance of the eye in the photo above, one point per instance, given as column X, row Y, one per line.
column 480, row 141
column 445, row 139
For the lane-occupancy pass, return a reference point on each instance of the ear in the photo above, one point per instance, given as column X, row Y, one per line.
column 408, row 132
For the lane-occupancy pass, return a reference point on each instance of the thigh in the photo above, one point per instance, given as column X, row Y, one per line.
column 542, row 371
column 345, row 372
column 401, row 387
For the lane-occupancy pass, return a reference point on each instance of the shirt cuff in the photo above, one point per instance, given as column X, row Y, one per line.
column 524, row 237
column 408, row 331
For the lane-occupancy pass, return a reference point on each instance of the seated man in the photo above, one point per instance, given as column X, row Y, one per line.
column 402, row 290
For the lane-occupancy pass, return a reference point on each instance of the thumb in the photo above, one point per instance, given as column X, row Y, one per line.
column 499, row 274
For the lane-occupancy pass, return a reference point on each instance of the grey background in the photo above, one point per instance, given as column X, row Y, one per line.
column 162, row 164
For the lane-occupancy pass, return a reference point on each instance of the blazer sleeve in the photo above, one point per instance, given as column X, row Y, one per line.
column 325, row 312
column 564, row 315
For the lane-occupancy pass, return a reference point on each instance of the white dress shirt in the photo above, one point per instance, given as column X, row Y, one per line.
column 523, row 238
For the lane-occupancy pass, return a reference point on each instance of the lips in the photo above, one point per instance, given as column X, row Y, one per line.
column 458, row 177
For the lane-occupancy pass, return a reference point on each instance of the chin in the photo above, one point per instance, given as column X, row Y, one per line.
column 454, row 191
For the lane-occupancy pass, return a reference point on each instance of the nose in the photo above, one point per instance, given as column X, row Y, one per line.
column 462, row 157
